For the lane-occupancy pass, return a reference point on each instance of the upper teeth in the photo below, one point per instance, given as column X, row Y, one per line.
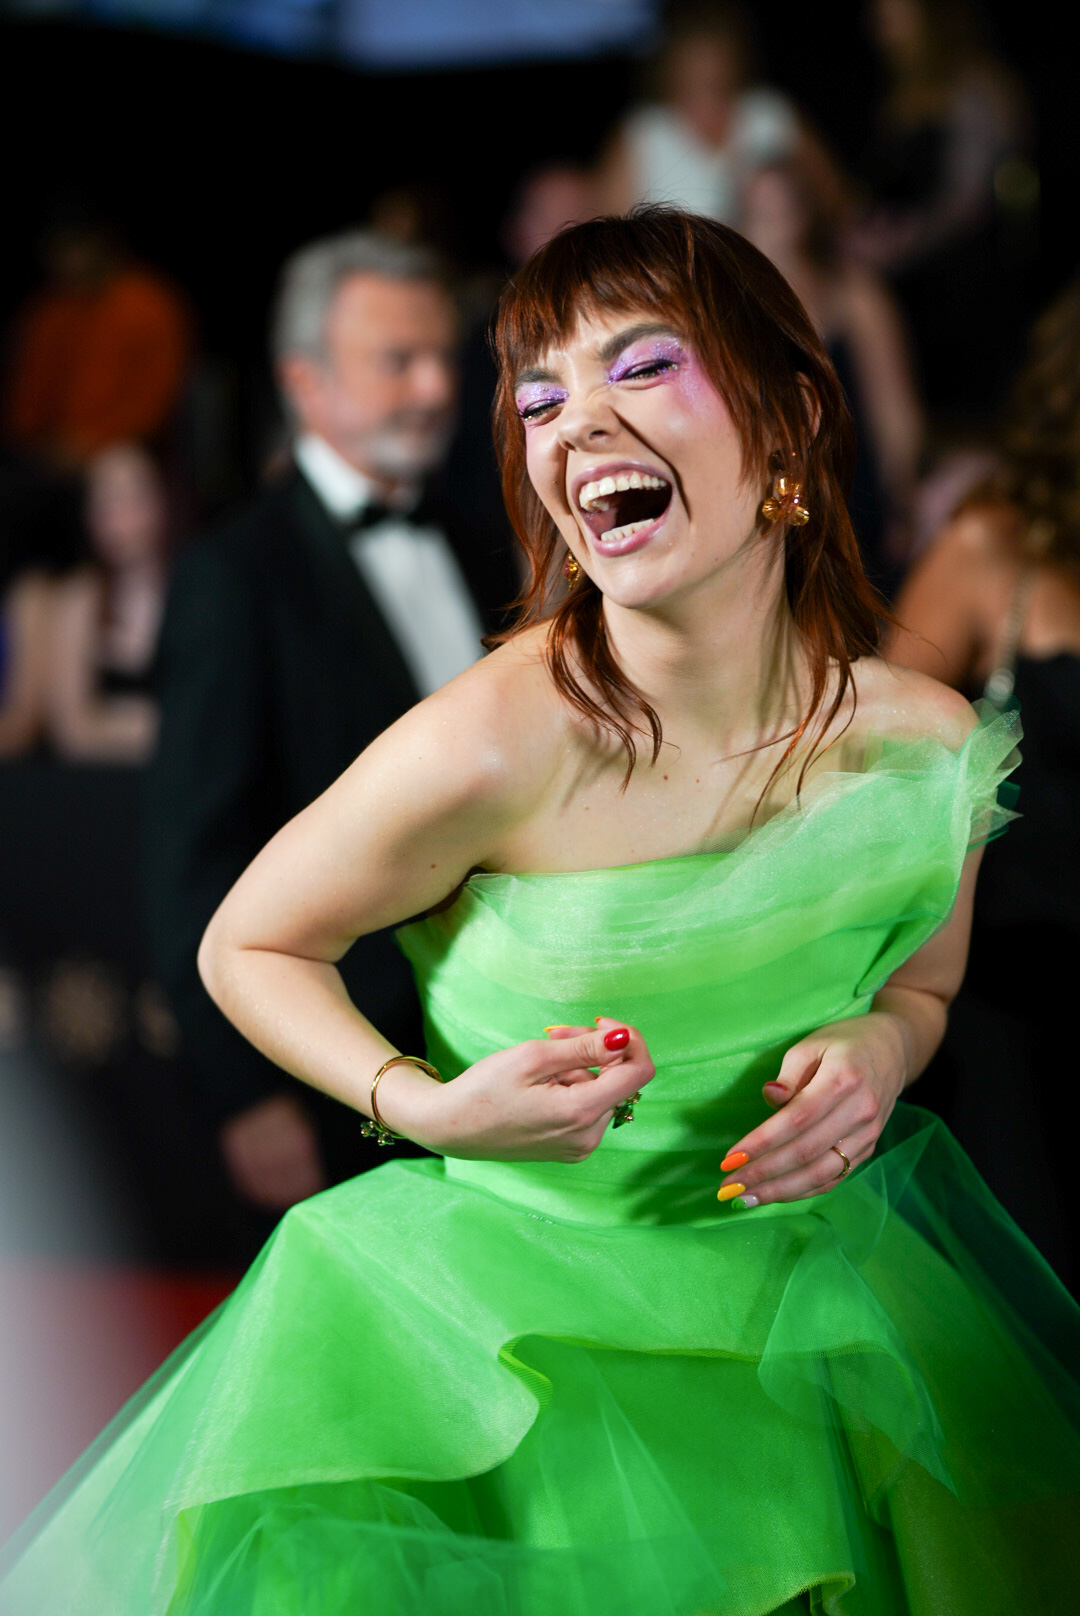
column 592, row 497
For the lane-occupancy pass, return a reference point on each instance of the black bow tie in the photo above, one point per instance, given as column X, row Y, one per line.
column 374, row 512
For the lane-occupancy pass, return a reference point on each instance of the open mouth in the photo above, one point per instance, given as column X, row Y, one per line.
column 617, row 507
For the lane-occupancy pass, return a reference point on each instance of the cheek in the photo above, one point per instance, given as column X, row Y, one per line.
column 541, row 463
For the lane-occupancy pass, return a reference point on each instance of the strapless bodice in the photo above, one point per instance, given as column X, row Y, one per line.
column 722, row 960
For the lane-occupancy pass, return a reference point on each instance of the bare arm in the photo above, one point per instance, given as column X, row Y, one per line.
column 837, row 1087
column 83, row 723
column 886, row 381
column 26, row 613
column 940, row 608
column 426, row 803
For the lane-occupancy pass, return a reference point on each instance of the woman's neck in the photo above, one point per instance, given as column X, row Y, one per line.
column 724, row 667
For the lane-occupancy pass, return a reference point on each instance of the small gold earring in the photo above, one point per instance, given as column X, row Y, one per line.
column 571, row 570
column 784, row 505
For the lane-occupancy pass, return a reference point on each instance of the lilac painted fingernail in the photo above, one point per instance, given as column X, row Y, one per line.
column 743, row 1203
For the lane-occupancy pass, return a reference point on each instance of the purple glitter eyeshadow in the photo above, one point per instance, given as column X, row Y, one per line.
column 665, row 350
column 539, row 394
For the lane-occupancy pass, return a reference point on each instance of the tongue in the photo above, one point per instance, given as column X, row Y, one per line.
column 635, row 505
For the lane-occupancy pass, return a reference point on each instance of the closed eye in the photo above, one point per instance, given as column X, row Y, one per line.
column 533, row 411
column 655, row 367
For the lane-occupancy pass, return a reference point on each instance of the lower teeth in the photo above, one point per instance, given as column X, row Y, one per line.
column 625, row 532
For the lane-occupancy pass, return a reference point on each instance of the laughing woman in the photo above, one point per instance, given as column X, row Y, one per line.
column 690, row 857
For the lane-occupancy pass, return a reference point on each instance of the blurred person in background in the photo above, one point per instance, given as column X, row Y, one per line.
column 709, row 126
column 100, row 353
column 292, row 637
column 994, row 606
column 545, row 200
column 861, row 328
column 25, row 603
column 953, row 194
column 106, row 616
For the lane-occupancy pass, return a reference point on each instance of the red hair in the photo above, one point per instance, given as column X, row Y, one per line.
column 763, row 355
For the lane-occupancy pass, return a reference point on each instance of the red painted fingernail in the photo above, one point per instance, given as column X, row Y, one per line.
column 775, row 1083
column 738, row 1158
column 617, row 1038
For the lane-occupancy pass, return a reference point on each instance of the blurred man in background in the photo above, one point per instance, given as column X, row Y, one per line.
column 292, row 638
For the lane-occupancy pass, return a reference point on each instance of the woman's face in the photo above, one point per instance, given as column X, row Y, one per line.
column 774, row 217
column 636, row 458
column 125, row 506
column 704, row 77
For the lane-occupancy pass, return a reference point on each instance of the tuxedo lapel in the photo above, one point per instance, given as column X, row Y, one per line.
column 351, row 615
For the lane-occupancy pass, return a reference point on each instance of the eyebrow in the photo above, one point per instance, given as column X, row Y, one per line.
column 610, row 350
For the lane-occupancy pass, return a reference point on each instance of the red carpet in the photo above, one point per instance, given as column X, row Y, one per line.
column 75, row 1343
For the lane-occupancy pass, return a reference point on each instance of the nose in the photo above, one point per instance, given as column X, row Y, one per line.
column 587, row 419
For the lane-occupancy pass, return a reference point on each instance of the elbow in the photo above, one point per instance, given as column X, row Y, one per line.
column 209, row 961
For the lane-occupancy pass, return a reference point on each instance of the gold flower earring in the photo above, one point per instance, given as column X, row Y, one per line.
column 784, row 505
column 571, row 570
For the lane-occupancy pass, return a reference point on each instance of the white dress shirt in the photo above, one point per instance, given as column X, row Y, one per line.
column 411, row 572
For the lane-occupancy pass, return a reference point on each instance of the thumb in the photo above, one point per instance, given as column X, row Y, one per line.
column 796, row 1069
column 579, row 1051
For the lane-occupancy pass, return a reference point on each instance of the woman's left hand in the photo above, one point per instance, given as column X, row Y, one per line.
column 837, row 1088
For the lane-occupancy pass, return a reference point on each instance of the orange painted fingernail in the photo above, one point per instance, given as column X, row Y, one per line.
column 560, row 1026
column 738, row 1158
column 728, row 1192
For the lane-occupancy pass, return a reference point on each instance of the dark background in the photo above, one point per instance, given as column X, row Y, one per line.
column 218, row 161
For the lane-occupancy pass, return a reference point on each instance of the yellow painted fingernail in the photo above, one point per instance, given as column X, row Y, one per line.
column 560, row 1026
column 728, row 1192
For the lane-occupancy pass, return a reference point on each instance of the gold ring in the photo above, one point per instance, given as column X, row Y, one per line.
column 846, row 1169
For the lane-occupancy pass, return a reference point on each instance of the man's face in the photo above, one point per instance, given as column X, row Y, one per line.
column 384, row 394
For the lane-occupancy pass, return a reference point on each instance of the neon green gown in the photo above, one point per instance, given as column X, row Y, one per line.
column 476, row 1389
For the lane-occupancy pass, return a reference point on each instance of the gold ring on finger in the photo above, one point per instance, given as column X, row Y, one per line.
column 846, row 1169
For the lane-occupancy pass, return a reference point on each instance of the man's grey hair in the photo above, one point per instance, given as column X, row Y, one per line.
column 311, row 278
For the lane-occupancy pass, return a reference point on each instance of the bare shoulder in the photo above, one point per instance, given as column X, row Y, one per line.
column 896, row 701
column 984, row 536
column 490, row 740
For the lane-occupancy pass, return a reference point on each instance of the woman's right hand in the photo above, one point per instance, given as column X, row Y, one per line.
column 542, row 1100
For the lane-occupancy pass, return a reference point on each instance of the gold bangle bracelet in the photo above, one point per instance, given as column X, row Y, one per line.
column 374, row 1127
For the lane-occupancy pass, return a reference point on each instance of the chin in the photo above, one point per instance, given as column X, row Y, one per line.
column 638, row 586
column 412, row 459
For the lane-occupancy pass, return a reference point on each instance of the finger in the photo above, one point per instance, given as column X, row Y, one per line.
column 847, row 1120
column 624, row 1069
column 561, row 1031
column 798, row 1066
column 818, row 1177
column 620, row 1082
column 594, row 1047
column 805, row 1110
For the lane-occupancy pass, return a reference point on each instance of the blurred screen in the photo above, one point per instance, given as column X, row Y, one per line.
column 390, row 34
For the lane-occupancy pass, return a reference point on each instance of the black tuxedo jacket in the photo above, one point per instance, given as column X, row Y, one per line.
column 276, row 670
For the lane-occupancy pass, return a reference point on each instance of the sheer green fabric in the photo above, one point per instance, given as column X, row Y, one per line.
column 474, row 1389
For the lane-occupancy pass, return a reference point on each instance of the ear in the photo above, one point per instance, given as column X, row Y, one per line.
column 300, row 378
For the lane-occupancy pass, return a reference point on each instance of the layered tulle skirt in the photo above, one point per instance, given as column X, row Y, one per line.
column 426, row 1399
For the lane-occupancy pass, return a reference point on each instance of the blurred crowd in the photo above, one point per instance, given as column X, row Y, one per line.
column 177, row 679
